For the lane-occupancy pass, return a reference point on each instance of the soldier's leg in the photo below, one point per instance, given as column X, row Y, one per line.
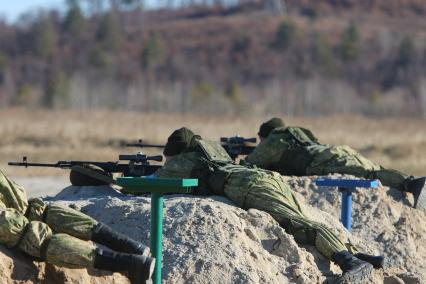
column 11, row 194
column 345, row 160
column 33, row 238
column 65, row 250
column 312, row 233
column 377, row 261
column 288, row 214
column 328, row 244
column 75, row 223
column 389, row 177
column 341, row 160
column 268, row 192
column 36, row 239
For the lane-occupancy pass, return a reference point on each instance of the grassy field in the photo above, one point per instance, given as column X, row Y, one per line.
column 48, row 136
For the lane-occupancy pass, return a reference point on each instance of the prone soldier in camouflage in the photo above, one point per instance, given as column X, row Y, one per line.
column 189, row 156
column 61, row 235
column 296, row 151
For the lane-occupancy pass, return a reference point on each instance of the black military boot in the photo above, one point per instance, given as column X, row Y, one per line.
column 354, row 269
column 418, row 188
column 378, row 261
column 138, row 267
column 105, row 235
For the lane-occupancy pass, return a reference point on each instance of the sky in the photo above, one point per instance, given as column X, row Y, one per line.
column 11, row 9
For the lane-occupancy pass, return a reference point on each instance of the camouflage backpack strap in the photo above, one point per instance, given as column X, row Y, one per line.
column 302, row 135
column 214, row 156
column 309, row 134
column 213, row 151
column 297, row 158
column 295, row 162
column 219, row 173
column 204, row 171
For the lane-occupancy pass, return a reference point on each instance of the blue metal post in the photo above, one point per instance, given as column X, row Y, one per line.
column 347, row 186
column 156, row 238
column 346, row 214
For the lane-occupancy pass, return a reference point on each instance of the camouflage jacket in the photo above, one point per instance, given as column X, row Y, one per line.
column 288, row 151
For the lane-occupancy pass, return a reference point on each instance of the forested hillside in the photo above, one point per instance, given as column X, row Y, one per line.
column 291, row 57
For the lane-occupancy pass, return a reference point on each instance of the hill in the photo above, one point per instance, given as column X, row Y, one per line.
column 298, row 57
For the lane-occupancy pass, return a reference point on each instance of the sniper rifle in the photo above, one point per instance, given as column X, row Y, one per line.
column 238, row 145
column 137, row 165
column 234, row 146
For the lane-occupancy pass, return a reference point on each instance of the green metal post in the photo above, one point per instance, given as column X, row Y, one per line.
column 156, row 238
column 157, row 187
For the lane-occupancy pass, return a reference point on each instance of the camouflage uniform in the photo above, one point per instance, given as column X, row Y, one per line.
column 252, row 188
column 47, row 232
column 296, row 151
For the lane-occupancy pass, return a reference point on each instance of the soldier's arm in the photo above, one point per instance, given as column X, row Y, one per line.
column 180, row 166
column 267, row 153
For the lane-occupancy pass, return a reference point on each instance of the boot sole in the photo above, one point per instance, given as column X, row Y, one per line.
column 420, row 202
column 378, row 262
column 138, row 276
column 151, row 267
column 361, row 275
column 145, row 251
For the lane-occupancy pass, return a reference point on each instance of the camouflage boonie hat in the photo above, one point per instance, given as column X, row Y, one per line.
column 179, row 141
column 270, row 125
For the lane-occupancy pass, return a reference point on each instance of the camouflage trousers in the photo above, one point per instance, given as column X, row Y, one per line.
column 267, row 191
column 345, row 160
column 48, row 232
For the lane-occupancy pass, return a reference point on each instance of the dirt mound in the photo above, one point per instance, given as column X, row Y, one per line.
column 208, row 240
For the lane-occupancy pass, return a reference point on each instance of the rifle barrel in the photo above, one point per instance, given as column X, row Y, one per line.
column 21, row 164
column 128, row 157
column 251, row 140
column 141, row 145
column 158, row 158
column 111, row 167
column 237, row 140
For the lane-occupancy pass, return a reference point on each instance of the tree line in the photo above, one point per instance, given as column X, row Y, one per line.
column 117, row 54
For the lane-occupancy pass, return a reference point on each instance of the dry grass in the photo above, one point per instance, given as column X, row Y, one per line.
column 49, row 136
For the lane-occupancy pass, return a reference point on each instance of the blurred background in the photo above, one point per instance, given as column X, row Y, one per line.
column 216, row 56
column 78, row 76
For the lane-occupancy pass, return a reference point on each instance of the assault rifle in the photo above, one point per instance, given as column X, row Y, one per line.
column 138, row 164
column 234, row 146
